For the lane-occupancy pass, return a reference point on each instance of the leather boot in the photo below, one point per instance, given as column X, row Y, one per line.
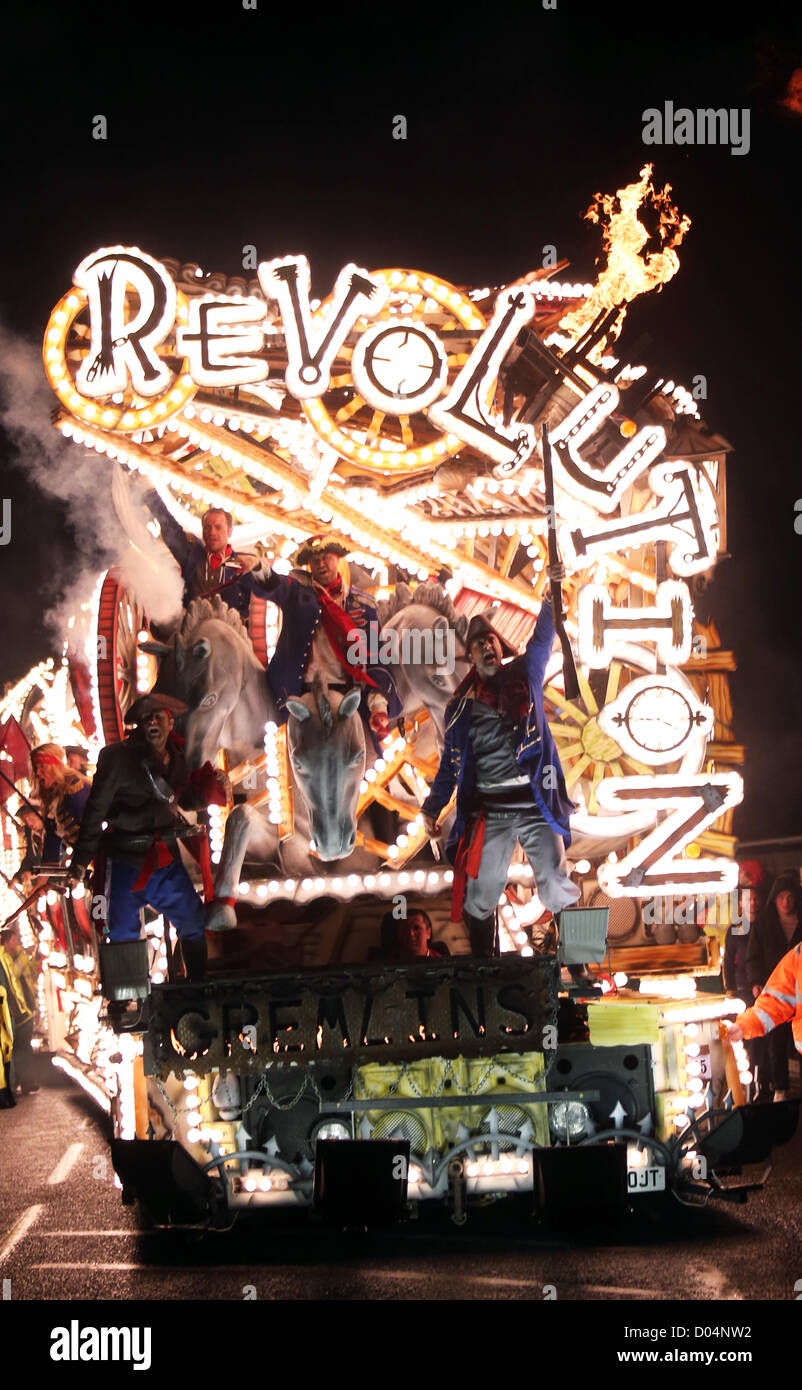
column 483, row 932
column 194, row 953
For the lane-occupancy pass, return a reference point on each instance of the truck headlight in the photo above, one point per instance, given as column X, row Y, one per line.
column 331, row 1129
column 568, row 1119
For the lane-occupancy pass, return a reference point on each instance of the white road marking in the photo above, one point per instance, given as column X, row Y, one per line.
column 47, row 1234
column 151, row 1269
column 134, row 1268
column 627, row 1293
column 20, row 1230
column 65, row 1164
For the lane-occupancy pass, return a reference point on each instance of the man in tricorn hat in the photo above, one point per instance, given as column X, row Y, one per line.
column 500, row 756
column 137, row 790
column 322, row 615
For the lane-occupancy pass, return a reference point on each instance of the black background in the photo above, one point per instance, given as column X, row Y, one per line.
column 229, row 127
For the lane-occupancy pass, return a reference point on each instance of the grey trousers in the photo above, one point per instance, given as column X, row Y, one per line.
column 542, row 847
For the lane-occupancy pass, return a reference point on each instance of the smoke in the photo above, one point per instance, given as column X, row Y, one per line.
column 82, row 480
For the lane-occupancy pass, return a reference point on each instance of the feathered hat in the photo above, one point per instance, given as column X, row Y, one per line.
column 322, row 544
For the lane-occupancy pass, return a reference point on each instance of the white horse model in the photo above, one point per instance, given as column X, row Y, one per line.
column 211, row 665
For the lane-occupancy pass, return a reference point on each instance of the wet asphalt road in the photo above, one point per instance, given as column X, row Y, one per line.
column 64, row 1234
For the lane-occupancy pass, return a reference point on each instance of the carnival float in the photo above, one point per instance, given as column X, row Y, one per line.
column 409, row 418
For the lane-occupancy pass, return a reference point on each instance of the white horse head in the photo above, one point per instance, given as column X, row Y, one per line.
column 326, row 744
column 211, row 665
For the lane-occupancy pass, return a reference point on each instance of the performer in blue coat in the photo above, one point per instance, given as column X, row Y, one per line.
column 209, row 566
column 502, row 759
column 321, row 616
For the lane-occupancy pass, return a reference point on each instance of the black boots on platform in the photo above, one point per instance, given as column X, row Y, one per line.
column 194, row 953
column 483, row 932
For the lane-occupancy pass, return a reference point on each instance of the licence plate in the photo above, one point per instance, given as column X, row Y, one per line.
column 652, row 1179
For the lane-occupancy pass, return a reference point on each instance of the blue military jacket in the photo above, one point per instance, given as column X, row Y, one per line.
column 234, row 587
column 535, row 750
column 301, row 612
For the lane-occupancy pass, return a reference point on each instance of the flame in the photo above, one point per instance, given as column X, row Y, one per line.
column 627, row 273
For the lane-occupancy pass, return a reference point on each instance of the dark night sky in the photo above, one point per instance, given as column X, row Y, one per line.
column 229, row 127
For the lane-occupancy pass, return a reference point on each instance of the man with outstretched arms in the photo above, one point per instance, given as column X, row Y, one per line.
column 501, row 758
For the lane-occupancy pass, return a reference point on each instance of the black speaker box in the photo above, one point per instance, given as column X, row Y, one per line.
column 621, row 1075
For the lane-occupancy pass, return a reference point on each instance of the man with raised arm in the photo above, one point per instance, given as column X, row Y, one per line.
column 209, row 566
column 500, row 757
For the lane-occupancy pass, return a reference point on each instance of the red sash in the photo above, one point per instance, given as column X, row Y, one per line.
column 341, row 633
column 466, row 863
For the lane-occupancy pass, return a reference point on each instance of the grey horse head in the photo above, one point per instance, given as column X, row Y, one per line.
column 326, row 744
column 423, row 633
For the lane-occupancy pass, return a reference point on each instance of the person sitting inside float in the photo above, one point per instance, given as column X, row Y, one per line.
column 409, row 938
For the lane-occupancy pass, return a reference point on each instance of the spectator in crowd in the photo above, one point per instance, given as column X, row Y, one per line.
column 776, row 929
column 21, row 1021
column 752, row 889
column 6, row 1049
column 25, row 965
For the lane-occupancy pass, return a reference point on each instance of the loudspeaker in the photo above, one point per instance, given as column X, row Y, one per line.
column 165, row 1178
column 622, row 1076
column 573, row 1181
column 361, row 1181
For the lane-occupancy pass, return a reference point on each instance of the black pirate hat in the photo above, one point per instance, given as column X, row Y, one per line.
column 319, row 545
column 480, row 626
column 148, row 704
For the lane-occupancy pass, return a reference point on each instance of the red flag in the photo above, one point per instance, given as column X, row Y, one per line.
column 15, row 753
column 13, row 740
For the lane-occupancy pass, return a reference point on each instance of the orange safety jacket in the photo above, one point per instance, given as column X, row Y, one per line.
column 781, row 999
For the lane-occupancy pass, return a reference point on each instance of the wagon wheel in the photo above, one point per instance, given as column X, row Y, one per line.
column 120, row 619
column 398, row 444
column 588, row 755
column 257, row 627
column 66, row 346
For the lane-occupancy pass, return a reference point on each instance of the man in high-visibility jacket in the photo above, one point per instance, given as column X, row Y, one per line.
column 780, row 1001
column 24, row 965
column 6, row 1048
column 22, row 1021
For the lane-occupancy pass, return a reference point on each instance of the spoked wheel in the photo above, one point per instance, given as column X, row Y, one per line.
column 589, row 754
column 402, row 366
column 120, row 619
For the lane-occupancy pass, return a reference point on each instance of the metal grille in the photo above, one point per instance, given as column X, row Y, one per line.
column 404, row 1125
column 623, row 914
column 511, row 1120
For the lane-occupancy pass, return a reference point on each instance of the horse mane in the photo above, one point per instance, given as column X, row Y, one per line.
column 201, row 610
column 430, row 595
